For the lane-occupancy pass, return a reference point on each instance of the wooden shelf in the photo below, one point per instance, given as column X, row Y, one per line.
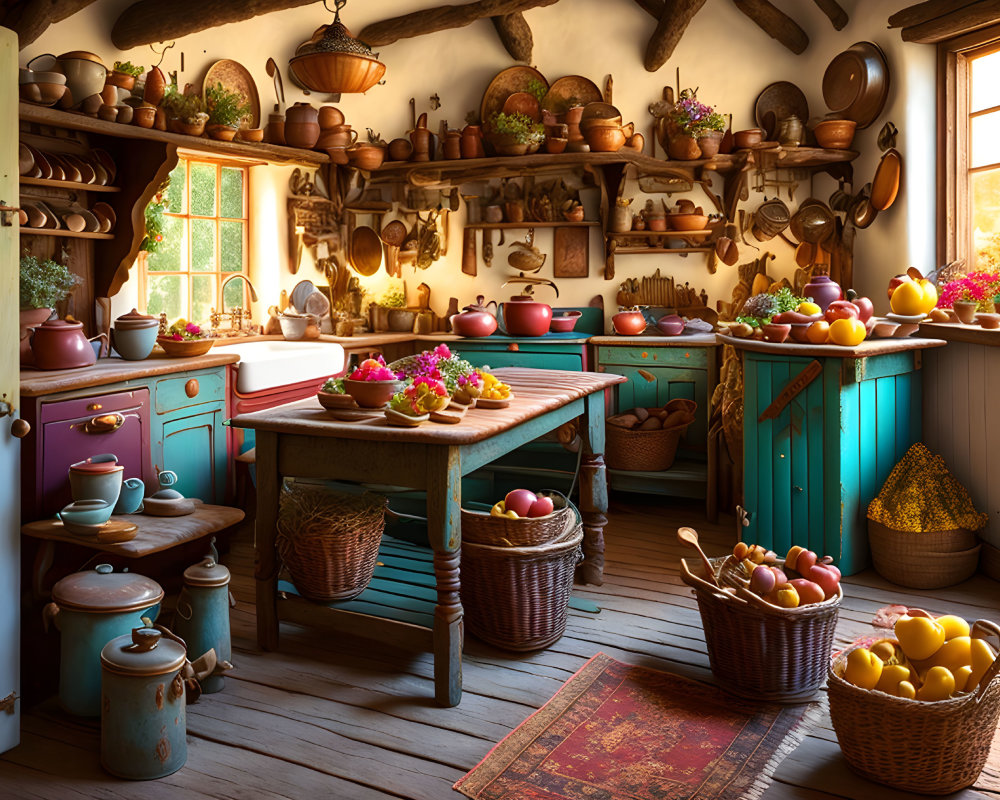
column 626, row 251
column 669, row 234
column 65, row 233
column 515, row 225
column 80, row 187
column 262, row 152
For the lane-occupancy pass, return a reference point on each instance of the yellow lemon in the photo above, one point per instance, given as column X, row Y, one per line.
column 809, row 308
column 908, row 299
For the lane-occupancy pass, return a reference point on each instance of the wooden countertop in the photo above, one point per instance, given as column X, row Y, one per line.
column 959, row 332
column 35, row 382
column 536, row 391
column 684, row 340
column 349, row 342
column 869, row 347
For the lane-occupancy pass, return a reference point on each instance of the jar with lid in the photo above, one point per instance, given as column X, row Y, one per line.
column 790, row 131
column 202, row 619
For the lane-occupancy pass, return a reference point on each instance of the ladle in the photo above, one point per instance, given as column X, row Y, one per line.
column 689, row 536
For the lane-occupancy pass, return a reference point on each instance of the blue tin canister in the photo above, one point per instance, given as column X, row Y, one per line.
column 90, row 608
column 143, row 708
column 202, row 618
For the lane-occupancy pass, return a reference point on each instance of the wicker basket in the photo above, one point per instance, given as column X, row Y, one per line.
column 989, row 561
column 517, row 598
column 481, row 527
column 758, row 650
column 913, row 745
column 329, row 541
column 646, row 451
column 923, row 560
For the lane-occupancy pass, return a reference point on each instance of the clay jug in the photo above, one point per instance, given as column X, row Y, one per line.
column 472, row 142
column 421, row 139
column 452, row 145
column 302, row 126
column 337, row 136
column 683, row 148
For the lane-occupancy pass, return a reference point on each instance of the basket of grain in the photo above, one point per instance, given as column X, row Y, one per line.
column 646, row 439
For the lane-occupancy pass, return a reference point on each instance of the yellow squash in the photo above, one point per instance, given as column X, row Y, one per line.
column 864, row 668
column 920, row 637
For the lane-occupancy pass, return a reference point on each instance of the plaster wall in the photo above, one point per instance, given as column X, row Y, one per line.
column 722, row 53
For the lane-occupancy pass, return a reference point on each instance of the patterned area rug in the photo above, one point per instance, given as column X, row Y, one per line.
column 618, row 732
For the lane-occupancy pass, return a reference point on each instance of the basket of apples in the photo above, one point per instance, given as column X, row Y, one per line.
column 522, row 519
column 769, row 622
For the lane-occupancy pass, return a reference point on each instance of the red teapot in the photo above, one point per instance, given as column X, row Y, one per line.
column 58, row 344
column 475, row 320
column 524, row 316
column 630, row 322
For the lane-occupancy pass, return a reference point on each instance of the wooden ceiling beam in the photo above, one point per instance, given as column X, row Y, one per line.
column 775, row 23
column 834, row 11
column 957, row 22
column 669, row 30
column 149, row 21
column 441, row 18
column 925, row 12
column 515, row 34
column 30, row 18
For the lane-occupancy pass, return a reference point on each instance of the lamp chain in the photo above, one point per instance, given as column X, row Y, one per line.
column 336, row 12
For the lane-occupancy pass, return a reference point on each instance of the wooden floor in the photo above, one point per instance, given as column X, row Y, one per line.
column 330, row 717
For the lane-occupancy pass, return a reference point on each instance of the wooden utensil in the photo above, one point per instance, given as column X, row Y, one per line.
column 279, row 90
column 469, row 256
column 571, row 252
column 689, row 536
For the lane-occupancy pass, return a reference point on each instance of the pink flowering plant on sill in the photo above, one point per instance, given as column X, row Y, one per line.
column 980, row 288
column 421, row 396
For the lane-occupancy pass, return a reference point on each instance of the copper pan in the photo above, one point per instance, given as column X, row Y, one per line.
column 885, row 184
column 856, row 83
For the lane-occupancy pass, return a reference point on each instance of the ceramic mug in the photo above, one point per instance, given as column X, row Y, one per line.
column 86, row 512
column 130, row 498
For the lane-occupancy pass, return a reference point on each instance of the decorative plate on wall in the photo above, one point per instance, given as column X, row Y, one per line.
column 506, row 83
column 235, row 77
column 571, row 88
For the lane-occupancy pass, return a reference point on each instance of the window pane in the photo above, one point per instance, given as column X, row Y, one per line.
column 202, row 245
column 168, row 256
column 203, row 189
column 232, row 193
column 985, row 135
column 232, row 246
column 233, row 294
column 167, row 293
column 175, row 192
column 986, row 218
column 202, row 298
column 985, row 84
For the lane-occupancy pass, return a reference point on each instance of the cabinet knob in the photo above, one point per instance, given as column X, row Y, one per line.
column 513, row 347
column 94, row 407
column 20, row 428
column 191, row 387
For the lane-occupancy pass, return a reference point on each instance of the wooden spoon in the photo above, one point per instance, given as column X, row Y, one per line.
column 689, row 536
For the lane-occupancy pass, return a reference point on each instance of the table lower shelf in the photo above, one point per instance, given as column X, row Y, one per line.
column 686, row 478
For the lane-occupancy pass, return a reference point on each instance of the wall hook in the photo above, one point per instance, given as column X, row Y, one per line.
column 162, row 52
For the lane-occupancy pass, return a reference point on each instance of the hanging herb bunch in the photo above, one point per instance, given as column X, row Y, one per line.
column 154, row 219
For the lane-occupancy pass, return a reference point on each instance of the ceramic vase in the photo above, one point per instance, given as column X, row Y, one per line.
column 823, row 290
column 966, row 310
column 683, row 148
column 709, row 143
column 472, row 142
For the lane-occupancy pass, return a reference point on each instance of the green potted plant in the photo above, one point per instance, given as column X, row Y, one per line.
column 226, row 111
column 515, row 134
column 185, row 112
column 43, row 284
column 124, row 74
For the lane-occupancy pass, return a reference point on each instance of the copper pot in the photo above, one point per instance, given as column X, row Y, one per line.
column 302, row 126
column 523, row 316
column 605, row 139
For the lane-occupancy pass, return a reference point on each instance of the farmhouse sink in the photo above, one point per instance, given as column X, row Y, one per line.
column 270, row 364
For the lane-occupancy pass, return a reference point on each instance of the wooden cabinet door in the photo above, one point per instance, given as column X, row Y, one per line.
column 195, row 448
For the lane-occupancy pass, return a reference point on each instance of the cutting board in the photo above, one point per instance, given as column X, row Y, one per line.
column 571, row 252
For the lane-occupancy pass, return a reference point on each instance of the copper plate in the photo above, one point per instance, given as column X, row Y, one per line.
column 885, row 184
column 856, row 83
column 777, row 101
column 235, row 77
column 572, row 88
column 506, row 83
column 366, row 251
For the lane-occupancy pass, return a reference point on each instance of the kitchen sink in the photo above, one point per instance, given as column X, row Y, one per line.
column 270, row 364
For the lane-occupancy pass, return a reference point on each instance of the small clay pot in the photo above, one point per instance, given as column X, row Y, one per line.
column 555, row 145
column 710, row 143
column 748, row 138
column 451, row 147
column 574, row 214
column 683, row 148
column 144, row 116
column 605, row 139
column 329, row 117
column 366, row 155
column 966, row 311
column 222, row 133
column 400, row 150
column 776, row 333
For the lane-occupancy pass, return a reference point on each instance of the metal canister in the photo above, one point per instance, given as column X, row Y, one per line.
column 91, row 608
column 202, row 619
column 143, row 709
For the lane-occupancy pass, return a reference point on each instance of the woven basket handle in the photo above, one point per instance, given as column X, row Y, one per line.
column 982, row 628
column 696, row 582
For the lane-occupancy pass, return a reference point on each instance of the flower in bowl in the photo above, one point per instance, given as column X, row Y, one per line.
column 372, row 383
column 421, row 396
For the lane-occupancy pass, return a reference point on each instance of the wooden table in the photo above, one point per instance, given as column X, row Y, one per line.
column 301, row 440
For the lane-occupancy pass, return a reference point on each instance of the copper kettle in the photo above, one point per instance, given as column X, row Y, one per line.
column 59, row 344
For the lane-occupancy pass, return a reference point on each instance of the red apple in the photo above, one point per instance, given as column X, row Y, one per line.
column 895, row 281
column 809, row 592
column 826, row 578
column 805, row 560
column 841, row 309
column 866, row 307
column 542, row 506
column 519, row 501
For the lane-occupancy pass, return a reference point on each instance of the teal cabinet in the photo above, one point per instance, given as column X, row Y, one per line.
column 506, row 351
column 812, row 466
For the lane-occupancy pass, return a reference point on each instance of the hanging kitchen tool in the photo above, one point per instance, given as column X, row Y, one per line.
column 279, row 89
column 469, row 256
column 488, row 247
column 856, row 83
column 887, row 136
column 366, row 251
column 526, row 257
column 393, row 235
column 885, row 184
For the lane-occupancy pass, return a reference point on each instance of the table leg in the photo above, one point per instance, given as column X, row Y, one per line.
column 266, row 560
column 593, row 492
column 444, row 525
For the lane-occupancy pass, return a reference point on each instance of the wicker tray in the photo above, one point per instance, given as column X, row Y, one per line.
column 758, row 650
column 517, row 598
column 481, row 527
column 916, row 746
column 923, row 560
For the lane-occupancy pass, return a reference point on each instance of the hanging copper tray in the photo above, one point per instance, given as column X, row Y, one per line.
column 856, row 83
column 506, row 83
column 885, row 184
column 235, row 77
column 777, row 101
column 571, row 88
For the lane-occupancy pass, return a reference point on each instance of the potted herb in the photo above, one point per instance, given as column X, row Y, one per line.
column 226, row 111
column 690, row 129
column 515, row 134
column 43, row 284
column 185, row 112
column 123, row 75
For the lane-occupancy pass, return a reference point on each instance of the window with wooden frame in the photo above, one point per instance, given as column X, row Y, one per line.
column 969, row 151
column 205, row 236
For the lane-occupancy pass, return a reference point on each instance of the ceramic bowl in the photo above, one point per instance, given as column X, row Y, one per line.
column 564, row 322
column 104, row 486
column 134, row 344
column 371, row 394
column 250, row 134
column 687, row 222
column 747, row 138
column 86, row 512
column 988, row 321
column 293, row 327
column 84, row 76
column 185, row 347
column 835, row 134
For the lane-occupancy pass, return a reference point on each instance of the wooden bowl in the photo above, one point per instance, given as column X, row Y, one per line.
column 366, row 250
column 184, row 348
column 250, row 134
column 365, row 156
column 332, row 400
column 687, row 222
column 333, row 73
column 371, row 394
column 835, row 134
column 747, row 138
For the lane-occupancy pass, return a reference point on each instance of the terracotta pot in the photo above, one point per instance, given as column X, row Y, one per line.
column 144, row 116
column 420, row 137
column 58, row 344
column 475, row 320
column 966, row 311
column 472, row 142
column 302, row 126
column 187, row 128
column 710, row 143
column 371, row 394
column 555, row 145
column 514, row 212
column 275, row 131
column 366, row 156
column 400, row 150
column 523, row 316
column 156, row 84
column 222, row 133
column 823, row 290
column 605, row 139
column 337, row 136
column 683, row 148
column 748, row 138
column 451, row 147
column 628, row 323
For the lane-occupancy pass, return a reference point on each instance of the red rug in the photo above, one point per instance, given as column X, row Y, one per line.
column 618, row 732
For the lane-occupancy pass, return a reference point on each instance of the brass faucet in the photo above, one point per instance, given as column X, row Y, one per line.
column 238, row 314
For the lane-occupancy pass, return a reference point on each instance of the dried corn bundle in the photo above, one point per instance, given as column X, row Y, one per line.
column 922, row 496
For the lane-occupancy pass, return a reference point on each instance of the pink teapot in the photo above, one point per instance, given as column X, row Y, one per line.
column 524, row 316
column 58, row 344
column 475, row 320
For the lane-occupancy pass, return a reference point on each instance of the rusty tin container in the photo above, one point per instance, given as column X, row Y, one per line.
column 143, row 708
column 90, row 608
column 202, row 619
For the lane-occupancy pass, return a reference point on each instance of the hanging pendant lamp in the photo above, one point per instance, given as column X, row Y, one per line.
column 333, row 61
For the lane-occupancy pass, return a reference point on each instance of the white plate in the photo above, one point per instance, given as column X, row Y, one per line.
column 904, row 319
